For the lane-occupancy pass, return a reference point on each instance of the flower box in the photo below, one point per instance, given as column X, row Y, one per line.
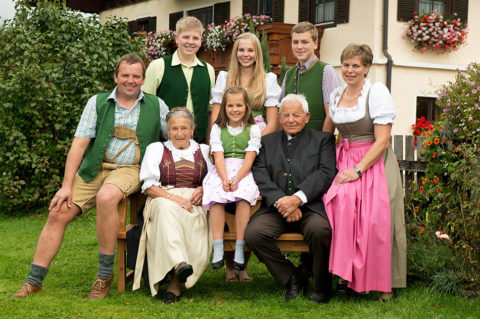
column 436, row 32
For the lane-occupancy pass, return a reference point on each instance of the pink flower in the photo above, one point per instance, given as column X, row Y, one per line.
column 441, row 235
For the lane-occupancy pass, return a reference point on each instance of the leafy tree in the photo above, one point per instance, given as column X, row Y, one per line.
column 52, row 59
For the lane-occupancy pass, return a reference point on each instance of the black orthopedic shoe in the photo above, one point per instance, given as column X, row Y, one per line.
column 183, row 271
column 318, row 296
column 238, row 266
column 295, row 285
column 170, row 297
column 218, row 264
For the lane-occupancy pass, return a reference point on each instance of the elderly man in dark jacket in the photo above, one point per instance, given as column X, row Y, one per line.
column 294, row 169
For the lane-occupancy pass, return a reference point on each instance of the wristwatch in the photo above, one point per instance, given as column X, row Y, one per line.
column 358, row 171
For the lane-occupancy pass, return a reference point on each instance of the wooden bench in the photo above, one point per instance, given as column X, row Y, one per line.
column 135, row 201
column 292, row 242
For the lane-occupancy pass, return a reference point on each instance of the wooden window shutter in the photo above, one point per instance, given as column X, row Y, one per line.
column 152, row 24
column 250, row 6
column 405, row 10
column 173, row 18
column 278, row 10
column 461, row 8
column 132, row 27
column 304, row 7
column 342, row 11
column 221, row 12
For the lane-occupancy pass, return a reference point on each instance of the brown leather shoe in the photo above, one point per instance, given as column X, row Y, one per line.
column 25, row 290
column 385, row 296
column 100, row 288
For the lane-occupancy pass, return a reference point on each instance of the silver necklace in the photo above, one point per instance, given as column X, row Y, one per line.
column 351, row 98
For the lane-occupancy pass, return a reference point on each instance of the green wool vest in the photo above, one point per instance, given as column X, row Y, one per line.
column 310, row 85
column 148, row 131
column 174, row 91
column 234, row 146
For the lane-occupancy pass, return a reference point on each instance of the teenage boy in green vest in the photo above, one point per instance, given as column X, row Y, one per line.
column 102, row 168
column 310, row 77
column 182, row 79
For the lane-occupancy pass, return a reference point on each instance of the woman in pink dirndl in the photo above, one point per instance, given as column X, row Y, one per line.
column 364, row 205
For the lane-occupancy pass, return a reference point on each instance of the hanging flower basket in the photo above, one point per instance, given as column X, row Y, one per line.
column 436, row 32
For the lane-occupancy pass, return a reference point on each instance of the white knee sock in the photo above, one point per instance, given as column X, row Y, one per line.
column 239, row 251
column 217, row 250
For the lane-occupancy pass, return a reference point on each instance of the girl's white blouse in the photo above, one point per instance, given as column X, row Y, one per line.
column 254, row 143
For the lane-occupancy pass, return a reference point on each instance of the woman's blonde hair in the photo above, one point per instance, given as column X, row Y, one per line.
column 222, row 118
column 256, row 88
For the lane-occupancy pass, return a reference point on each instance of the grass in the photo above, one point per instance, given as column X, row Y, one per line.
column 73, row 271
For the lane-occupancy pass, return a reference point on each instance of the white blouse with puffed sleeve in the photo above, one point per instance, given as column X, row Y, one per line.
column 254, row 143
column 150, row 169
column 382, row 109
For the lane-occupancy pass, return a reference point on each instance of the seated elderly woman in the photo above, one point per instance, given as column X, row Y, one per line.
column 175, row 235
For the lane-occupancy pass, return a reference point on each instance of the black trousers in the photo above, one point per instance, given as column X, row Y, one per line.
column 263, row 230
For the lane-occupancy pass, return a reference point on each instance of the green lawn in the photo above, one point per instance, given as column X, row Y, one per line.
column 73, row 271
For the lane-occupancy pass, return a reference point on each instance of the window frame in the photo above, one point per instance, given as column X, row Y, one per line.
column 432, row 113
column 341, row 13
column 149, row 22
column 264, row 2
column 406, row 9
column 448, row 6
column 202, row 8
column 324, row 24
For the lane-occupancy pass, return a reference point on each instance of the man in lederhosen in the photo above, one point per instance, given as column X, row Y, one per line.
column 102, row 168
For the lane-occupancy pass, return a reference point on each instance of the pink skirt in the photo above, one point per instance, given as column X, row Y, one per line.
column 213, row 188
column 359, row 214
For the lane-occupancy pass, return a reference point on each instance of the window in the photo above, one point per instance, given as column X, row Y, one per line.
column 148, row 24
column 426, row 6
column 265, row 7
column 326, row 13
column 218, row 13
column 272, row 8
column 406, row 8
column 323, row 11
column 205, row 15
column 427, row 108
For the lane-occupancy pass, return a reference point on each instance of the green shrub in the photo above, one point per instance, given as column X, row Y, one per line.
column 265, row 52
column 283, row 70
column 426, row 257
column 447, row 198
column 52, row 60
